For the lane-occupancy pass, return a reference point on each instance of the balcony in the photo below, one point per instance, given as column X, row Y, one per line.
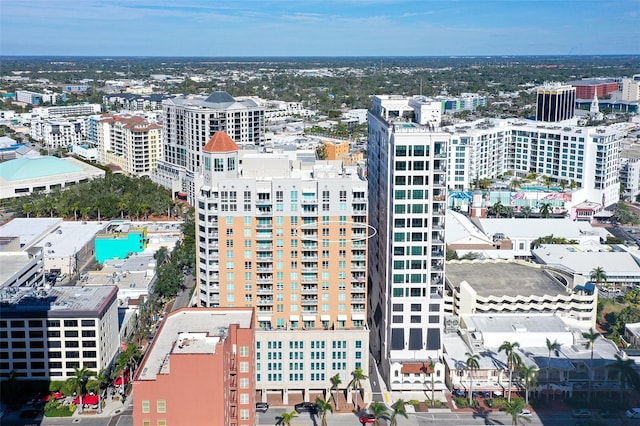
column 309, row 201
column 309, row 290
column 265, row 301
column 264, row 247
column 263, row 269
column 261, row 236
column 309, row 302
column 264, row 290
column 309, row 279
column 264, row 226
column 264, row 280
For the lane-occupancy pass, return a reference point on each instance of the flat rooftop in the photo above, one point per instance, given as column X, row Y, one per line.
column 59, row 302
column 29, row 230
column 503, row 278
column 190, row 331
column 504, row 323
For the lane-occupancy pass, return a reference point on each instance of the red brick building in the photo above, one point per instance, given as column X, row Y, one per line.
column 199, row 370
column 586, row 88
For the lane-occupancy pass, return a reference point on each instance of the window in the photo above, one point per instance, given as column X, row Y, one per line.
column 161, row 406
column 244, row 398
column 146, row 406
column 244, row 367
column 244, row 414
column 244, row 351
column 161, row 422
column 244, row 383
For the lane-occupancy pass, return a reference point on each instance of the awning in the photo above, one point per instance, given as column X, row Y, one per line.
column 308, row 318
column 342, row 317
column 264, row 318
column 205, row 188
column 294, row 317
column 325, row 317
column 416, row 368
column 119, row 381
column 87, row 399
column 357, row 316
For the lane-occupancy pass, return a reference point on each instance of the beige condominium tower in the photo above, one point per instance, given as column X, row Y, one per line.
column 289, row 238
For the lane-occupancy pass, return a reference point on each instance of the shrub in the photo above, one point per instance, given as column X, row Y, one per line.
column 57, row 409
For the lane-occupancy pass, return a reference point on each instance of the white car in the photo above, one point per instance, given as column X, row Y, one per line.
column 525, row 412
column 633, row 413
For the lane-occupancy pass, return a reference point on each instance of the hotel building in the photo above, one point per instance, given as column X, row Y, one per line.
column 407, row 202
column 190, row 121
column 198, row 371
column 46, row 333
column 130, row 142
column 290, row 239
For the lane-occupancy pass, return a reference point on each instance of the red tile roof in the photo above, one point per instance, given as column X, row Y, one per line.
column 416, row 368
column 220, row 142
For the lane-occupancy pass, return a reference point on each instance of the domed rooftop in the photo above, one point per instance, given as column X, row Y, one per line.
column 36, row 167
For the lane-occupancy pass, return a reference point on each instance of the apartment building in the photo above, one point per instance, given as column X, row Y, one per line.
column 67, row 110
column 191, row 120
column 289, row 238
column 631, row 88
column 407, row 202
column 130, row 142
column 59, row 132
column 587, row 156
column 34, row 98
column 199, row 370
column 46, row 333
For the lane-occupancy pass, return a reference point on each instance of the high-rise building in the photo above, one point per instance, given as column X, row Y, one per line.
column 555, row 102
column 631, row 88
column 131, row 142
column 199, row 370
column 290, row 239
column 190, row 121
column 407, row 204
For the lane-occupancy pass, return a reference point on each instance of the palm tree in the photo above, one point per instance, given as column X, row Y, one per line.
column 627, row 374
column 323, row 407
column 513, row 360
column 472, row 364
column 545, row 210
column 432, row 372
column 498, row 208
column 551, row 347
column 598, row 275
column 79, row 381
column 379, row 411
column 356, row 383
column 335, row 387
column 526, row 211
column 287, row 418
column 399, row 409
column 529, row 377
column 591, row 337
column 514, row 408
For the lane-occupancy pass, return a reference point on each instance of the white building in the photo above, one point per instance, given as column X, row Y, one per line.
column 59, row 132
column 190, row 121
column 45, row 333
column 631, row 88
column 20, row 267
column 588, row 156
column 67, row 110
column 407, row 204
column 501, row 287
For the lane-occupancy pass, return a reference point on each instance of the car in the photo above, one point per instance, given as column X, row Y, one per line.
column 525, row 412
column 61, row 277
column 262, row 407
column 633, row 413
column 581, row 413
column 367, row 419
column 306, row 407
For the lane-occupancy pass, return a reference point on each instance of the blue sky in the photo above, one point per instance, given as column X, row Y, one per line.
column 318, row 27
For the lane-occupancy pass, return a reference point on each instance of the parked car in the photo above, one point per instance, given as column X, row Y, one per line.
column 525, row 412
column 61, row 277
column 306, row 407
column 581, row 413
column 367, row 418
column 633, row 413
column 262, row 407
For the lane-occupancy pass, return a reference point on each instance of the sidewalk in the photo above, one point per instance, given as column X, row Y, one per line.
column 111, row 408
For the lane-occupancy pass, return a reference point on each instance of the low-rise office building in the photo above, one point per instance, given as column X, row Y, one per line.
column 46, row 333
column 199, row 370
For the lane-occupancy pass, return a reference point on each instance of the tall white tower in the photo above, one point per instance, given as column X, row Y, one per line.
column 407, row 206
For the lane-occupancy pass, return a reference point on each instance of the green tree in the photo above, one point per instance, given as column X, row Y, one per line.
column 79, row 382
column 551, row 347
column 358, row 377
column 287, row 418
column 529, row 375
column 591, row 336
column 513, row 360
column 472, row 365
column 323, row 408
column 399, row 409
column 514, row 408
column 627, row 374
column 545, row 210
column 335, row 388
column 379, row 411
column 598, row 275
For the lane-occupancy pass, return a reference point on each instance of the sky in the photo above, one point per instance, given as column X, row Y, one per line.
column 241, row 28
